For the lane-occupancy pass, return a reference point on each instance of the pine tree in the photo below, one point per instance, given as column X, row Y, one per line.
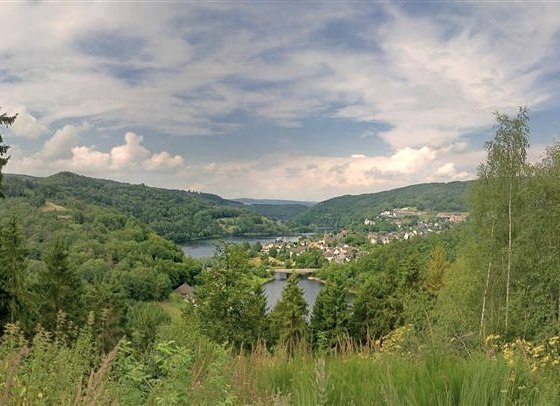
column 288, row 318
column 12, row 268
column 378, row 307
column 329, row 322
column 61, row 286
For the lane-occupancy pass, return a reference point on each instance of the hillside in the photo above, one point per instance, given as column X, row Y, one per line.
column 274, row 202
column 175, row 214
column 345, row 210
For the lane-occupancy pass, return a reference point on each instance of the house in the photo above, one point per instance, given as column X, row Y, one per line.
column 186, row 291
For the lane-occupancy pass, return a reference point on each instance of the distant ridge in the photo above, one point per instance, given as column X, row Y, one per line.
column 350, row 209
column 175, row 214
column 278, row 202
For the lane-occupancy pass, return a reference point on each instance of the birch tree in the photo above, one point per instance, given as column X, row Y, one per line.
column 496, row 197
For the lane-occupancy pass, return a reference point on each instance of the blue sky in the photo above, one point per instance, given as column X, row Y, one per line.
column 295, row 100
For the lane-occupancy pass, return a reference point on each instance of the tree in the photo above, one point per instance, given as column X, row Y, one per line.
column 7, row 121
column 497, row 194
column 61, row 286
column 329, row 322
column 288, row 318
column 378, row 307
column 437, row 265
column 12, row 267
column 230, row 308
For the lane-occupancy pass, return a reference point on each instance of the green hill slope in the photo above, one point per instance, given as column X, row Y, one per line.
column 345, row 210
column 175, row 214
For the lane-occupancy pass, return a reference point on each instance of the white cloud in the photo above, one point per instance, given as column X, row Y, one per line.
column 163, row 161
column 61, row 152
column 89, row 160
column 58, row 146
column 26, row 125
column 130, row 154
column 408, row 160
column 429, row 79
column 317, row 178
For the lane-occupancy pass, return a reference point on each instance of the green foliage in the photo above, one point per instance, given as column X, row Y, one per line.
column 143, row 320
column 311, row 258
column 437, row 265
column 288, row 318
column 282, row 212
column 230, row 308
column 15, row 300
column 331, row 314
column 344, row 211
column 174, row 214
column 60, row 285
column 377, row 308
column 366, row 379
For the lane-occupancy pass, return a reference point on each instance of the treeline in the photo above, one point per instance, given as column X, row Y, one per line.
column 344, row 211
column 82, row 261
column 392, row 286
column 174, row 214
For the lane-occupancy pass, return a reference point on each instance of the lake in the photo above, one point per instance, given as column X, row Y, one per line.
column 273, row 291
column 205, row 248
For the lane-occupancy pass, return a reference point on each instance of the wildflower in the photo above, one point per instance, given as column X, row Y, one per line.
column 491, row 337
column 538, row 351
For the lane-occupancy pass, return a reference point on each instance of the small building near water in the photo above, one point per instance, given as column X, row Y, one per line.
column 185, row 290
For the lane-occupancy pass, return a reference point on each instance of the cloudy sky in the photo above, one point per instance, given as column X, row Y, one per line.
column 279, row 99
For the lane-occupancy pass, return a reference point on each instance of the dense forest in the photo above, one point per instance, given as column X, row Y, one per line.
column 346, row 210
column 468, row 316
column 174, row 214
column 180, row 216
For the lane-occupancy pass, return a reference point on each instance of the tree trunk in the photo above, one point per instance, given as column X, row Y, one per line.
column 509, row 253
column 482, row 332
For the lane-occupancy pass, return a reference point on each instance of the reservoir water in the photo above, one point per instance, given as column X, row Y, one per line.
column 273, row 291
column 205, row 248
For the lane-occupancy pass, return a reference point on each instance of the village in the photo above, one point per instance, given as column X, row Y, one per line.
column 345, row 245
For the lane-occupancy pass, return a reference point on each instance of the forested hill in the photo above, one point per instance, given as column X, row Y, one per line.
column 344, row 210
column 174, row 214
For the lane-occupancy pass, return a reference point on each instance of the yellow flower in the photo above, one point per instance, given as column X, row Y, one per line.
column 538, row 351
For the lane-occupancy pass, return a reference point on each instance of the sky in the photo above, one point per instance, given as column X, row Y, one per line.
column 273, row 99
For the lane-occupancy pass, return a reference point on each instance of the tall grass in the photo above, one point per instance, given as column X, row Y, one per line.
column 386, row 379
column 183, row 367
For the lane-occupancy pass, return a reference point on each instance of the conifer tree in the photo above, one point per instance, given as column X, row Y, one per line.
column 61, row 286
column 288, row 318
column 12, row 267
column 329, row 322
